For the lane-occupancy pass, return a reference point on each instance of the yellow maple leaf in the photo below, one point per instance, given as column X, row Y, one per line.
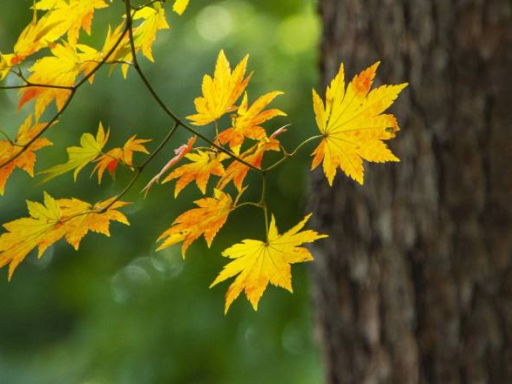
column 37, row 35
column 5, row 65
column 90, row 148
column 258, row 263
column 237, row 171
column 145, row 34
column 60, row 70
column 27, row 159
column 122, row 53
column 205, row 221
column 110, row 160
column 246, row 122
column 221, row 92
column 80, row 217
column 202, row 165
column 353, row 126
column 71, row 219
column 69, row 16
column 61, row 17
column 180, row 6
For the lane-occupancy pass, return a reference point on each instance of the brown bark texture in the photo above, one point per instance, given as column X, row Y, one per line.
column 415, row 283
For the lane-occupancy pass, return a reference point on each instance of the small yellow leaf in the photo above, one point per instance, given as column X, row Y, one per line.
column 61, row 70
column 221, row 92
column 90, row 148
column 145, row 34
column 180, row 6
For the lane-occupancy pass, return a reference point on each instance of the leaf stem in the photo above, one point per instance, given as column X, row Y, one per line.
column 263, row 202
column 140, row 7
column 248, row 203
column 287, row 155
column 3, row 133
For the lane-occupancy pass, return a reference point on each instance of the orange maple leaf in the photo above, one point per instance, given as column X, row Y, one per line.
column 110, row 160
column 205, row 221
column 246, row 122
column 27, row 159
column 237, row 171
column 353, row 126
column 221, row 92
column 202, row 165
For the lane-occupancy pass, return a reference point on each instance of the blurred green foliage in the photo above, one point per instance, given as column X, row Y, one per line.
column 118, row 312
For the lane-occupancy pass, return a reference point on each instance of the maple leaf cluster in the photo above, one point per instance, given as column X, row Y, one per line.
column 352, row 127
column 352, row 123
column 71, row 219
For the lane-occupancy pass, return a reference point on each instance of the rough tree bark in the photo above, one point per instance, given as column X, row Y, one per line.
column 415, row 284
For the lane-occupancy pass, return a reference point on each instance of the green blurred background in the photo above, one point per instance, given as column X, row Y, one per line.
column 116, row 311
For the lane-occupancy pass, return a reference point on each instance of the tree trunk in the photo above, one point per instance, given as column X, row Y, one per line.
column 415, row 283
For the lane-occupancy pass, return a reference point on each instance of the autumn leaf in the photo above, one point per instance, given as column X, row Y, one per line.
column 237, row 171
column 80, row 217
column 90, row 148
column 37, row 35
column 110, row 160
column 131, row 146
column 27, row 159
column 107, row 161
column 246, row 122
column 353, row 126
column 179, row 155
column 5, row 65
column 145, row 34
column 221, row 92
column 60, row 70
column 70, row 16
column 205, row 221
column 180, row 6
column 257, row 263
column 61, row 17
column 202, row 165
column 70, row 219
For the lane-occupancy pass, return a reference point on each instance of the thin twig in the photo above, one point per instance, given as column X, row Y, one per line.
column 140, row 7
column 287, row 155
column 140, row 168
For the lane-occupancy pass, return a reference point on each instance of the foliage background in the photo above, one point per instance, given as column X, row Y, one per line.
column 117, row 311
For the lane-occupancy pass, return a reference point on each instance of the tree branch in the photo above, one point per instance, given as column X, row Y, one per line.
column 162, row 104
